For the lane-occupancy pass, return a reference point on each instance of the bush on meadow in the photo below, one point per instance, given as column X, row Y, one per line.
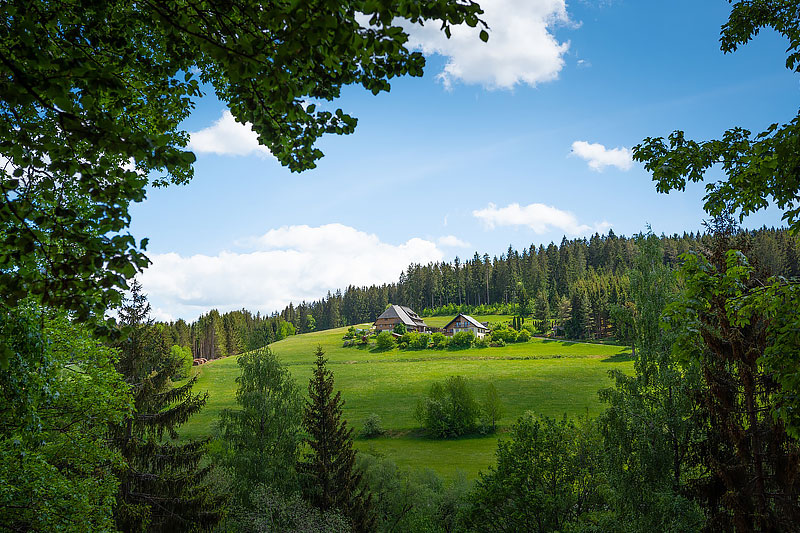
column 462, row 339
column 384, row 341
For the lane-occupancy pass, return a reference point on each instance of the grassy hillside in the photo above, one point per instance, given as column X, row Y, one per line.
column 549, row 377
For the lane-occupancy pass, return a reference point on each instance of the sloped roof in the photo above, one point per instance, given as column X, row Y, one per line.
column 468, row 319
column 405, row 314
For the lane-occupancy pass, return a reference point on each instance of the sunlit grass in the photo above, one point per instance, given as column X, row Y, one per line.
column 548, row 377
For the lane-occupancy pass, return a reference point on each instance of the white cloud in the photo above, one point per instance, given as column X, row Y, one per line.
column 227, row 137
column 600, row 157
column 521, row 47
column 453, row 242
column 288, row 264
column 161, row 315
column 539, row 217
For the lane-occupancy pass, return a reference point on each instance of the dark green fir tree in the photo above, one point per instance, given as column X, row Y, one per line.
column 162, row 485
column 331, row 480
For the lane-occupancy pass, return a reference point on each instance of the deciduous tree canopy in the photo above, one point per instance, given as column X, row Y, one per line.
column 94, row 92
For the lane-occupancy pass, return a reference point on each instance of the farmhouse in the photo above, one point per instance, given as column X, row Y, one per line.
column 398, row 314
column 465, row 323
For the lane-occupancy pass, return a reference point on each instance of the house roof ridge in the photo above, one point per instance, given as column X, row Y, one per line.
column 469, row 319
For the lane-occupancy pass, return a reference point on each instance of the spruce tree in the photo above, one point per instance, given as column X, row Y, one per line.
column 331, row 478
column 162, row 486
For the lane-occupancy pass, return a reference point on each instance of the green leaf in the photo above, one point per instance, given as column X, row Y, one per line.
column 5, row 355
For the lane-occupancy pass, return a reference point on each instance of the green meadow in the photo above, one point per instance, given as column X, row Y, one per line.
column 545, row 376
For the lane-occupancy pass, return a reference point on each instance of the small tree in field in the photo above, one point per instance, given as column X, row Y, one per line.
column 331, row 480
column 400, row 329
column 260, row 438
column 492, row 406
column 449, row 410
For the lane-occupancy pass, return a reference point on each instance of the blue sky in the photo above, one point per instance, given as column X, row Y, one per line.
column 522, row 140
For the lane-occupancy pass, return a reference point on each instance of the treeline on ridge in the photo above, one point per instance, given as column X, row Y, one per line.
column 582, row 278
column 596, row 268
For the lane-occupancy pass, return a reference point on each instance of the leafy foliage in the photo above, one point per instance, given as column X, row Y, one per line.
column 372, row 427
column 438, row 339
column 80, row 147
column 57, row 395
column 384, row 341
column 461, row 339
column 744, row 440
column 420, row 342
column 651, row 429
column 492, row 407
column 501, row 332
column 184, row 355
column 414, row 500
column 449, row 410
column 758, row 167
column 267, row 509
column 737, row 327
column 260, row 438
column 546, row 478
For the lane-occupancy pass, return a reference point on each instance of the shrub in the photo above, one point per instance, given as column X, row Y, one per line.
column 523, row 336
column 439, row 340
column 497, row 344
column 402, row 345
column 420, row 341
column 384, row 341
column 483, row 342
column 414, row 500
column 372, row 427
column 449, row 410
column 351, row 333
column 406, row 339
column 269, row 509
column 462, row 339
column 400, row 329
column 505, row 334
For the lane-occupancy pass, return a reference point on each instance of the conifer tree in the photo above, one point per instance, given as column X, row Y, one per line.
column 332, row 480
column 162, row 486
column 579, row 323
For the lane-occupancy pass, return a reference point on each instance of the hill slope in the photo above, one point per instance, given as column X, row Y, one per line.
column 549, row 377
